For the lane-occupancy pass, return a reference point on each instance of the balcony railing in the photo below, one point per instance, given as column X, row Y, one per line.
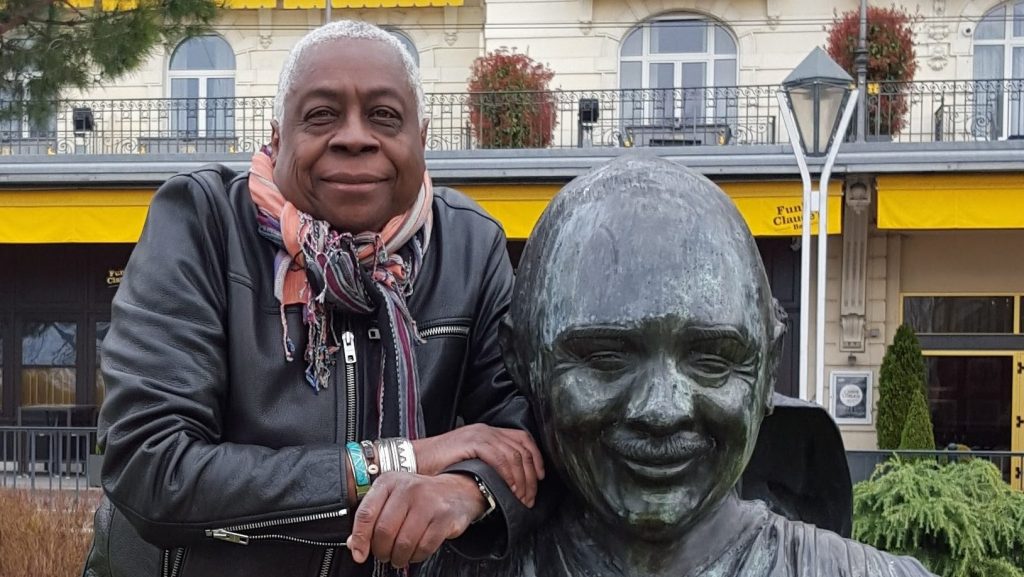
column 954, row 111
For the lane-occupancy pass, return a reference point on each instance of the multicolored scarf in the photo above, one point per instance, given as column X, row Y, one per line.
column 366, row 273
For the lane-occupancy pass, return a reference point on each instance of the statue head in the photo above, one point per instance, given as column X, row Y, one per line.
column 644, row 331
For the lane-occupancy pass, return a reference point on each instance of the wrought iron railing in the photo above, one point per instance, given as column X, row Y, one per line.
column 48, row 458
column 953, row 111
column 1011, row 464
column 946, row 111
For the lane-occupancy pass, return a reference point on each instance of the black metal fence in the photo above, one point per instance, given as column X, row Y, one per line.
column 48, row 458
column 862, row 463
column 948, row 111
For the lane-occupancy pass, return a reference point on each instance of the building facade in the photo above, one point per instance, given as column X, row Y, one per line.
column 926, row 225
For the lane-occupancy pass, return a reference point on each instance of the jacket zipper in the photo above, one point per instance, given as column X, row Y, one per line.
column 171, row 568
column 325, row 567
column 232, row 535
column 348, row 350
column 445, row 331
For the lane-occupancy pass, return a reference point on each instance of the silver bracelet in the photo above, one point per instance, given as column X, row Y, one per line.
column 396, row 454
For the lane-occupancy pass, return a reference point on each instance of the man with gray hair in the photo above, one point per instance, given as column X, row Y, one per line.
column 292, row 346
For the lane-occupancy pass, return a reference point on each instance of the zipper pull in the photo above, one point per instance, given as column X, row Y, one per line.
column 348, row 346
column 228, row 536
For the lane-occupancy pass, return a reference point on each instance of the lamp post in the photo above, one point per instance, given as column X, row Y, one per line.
column 816, row 102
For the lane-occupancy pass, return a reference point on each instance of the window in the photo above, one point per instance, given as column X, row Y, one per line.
column 971, row 400
column 23, row 130
column 48, row 363
column 959, row 314
column 999, row 57
column 202, row 77
column 676, row 59
column 407, row 44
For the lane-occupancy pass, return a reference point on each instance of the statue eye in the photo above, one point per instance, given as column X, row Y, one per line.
column 710, row 366
column 606, row 361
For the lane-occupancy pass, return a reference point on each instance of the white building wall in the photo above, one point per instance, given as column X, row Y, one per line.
column 578, row 39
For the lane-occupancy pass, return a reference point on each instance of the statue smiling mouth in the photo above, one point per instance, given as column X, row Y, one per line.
column 658, row 458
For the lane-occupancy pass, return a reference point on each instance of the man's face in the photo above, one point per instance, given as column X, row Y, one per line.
column 653, row 381
column 348, row 148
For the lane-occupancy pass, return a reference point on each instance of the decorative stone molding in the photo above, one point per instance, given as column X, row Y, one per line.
column 451, row 25
column 586, row 16
column 853, row 299
column 938, row 56
column 265, row 24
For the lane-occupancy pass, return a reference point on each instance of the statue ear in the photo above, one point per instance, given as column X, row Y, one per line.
column 777, row 322
column 514, row 366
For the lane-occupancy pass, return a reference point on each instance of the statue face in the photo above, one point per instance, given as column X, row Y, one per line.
column 653, row 347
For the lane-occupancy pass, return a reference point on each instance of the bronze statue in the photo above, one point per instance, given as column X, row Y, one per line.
column 643, row 328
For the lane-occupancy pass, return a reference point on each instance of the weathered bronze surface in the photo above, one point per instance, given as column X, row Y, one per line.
column 645, row 333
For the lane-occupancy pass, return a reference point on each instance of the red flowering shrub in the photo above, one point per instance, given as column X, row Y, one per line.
column 510, row 105
column 892, row 62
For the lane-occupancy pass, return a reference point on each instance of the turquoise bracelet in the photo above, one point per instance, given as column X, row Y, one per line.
column 355, row 453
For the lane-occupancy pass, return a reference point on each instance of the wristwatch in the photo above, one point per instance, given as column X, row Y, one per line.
column 488, row 496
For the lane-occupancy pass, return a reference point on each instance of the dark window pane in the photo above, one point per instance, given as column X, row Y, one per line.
column 220, row 107
column 49, row 344
column 1018, row 20
column 971, row 401
column 724, row 44
column 946, row 315
column 408, row 45
column 679, row 36
column 632, row 45
column 203, row 53
column 992, row 26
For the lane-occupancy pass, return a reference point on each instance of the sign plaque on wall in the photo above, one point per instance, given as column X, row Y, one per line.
column 850, row 397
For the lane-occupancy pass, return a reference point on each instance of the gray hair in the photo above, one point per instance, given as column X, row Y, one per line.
column 346, row 30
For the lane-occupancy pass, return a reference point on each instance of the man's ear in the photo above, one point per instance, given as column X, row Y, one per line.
column 275, row 139
column 516, row 370
column 423, row 132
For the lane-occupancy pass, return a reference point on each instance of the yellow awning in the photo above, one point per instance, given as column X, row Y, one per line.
column 73, row 216
column 770, row 208
column 944, row 201
column 285, row 4
column 117, row 216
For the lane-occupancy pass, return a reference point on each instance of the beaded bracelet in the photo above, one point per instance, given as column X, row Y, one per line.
column 355, row 453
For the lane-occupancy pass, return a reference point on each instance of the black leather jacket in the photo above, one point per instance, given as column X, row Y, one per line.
column 212, row 438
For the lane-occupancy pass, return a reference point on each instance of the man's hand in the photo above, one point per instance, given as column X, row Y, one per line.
column 510, row 452
column 405, row 518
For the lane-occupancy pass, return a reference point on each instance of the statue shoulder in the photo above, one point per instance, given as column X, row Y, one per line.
column 815, row 551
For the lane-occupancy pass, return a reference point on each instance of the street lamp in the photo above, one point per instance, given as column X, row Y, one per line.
column 816, row 102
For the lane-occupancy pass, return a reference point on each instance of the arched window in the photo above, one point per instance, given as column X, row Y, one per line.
column 680, row 57
column 407, row 44
column 999, row 57
column 202, row 75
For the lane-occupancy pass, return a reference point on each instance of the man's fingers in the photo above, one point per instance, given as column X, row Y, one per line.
column 366, row 519
column 433, row 537
column 389, row 523
column 409, row 536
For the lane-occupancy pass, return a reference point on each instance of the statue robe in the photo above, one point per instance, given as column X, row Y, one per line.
column 764, row 545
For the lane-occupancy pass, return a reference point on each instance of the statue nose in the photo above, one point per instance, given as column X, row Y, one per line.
column 661, row 401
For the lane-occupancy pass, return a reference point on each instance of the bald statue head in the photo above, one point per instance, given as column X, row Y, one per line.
column 643, row 329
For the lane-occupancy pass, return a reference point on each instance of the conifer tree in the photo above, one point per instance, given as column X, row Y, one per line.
column 48, row 47
column 902, row 375
column 918, row 434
